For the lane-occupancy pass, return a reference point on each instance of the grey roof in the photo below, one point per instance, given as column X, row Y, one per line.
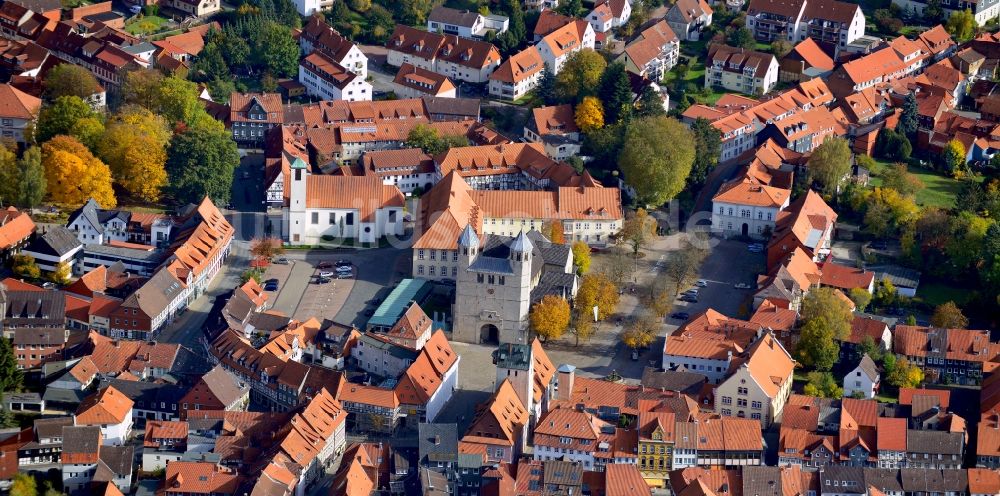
column 81, row 439
column 492, row 265
column 438, row 443
column 23, row 398
column 468, row 237
column 521, row 244
column 456, row 17
column 66, row 396
column 395, row 350
column 224, row 385
column 154, row 296
column 433, row 483
column 565, row 368
column 39, row 336
column 51, row 427
column 56, row 240
column 266, row 321
column 148, row 395
column 554, row 283
column 35, row 309
column 551, row 253
column 868, row 366
column 901, row 277
column 470, row 460
column 670, row 380
column 843, row 480
column 116, row 462
column 934, row 442
column 152, row 256
column 562, row 473
column 465, row 107
column 512, row 356
column 138, row 48
column 885, row 479
column 919, row 480
column 89, row 212
column 105, row 216
column 761, row 481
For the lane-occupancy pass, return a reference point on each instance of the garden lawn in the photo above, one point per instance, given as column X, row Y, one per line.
column 939, row 190
column 145, row 25
column 937, row 293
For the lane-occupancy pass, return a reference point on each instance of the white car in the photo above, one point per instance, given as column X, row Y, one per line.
column 741, row 285
column 701, row 283
column 135, row 9
column 327, row 273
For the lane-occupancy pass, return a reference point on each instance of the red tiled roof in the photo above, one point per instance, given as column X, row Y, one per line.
column 107, row 406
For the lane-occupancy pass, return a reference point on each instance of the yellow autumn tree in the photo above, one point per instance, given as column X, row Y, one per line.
column 589, row 115
column 134, row 146
column 597, row 290
column 550, row 317
column 74, row 174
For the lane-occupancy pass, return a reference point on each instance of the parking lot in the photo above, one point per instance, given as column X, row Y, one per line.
column 344, row 301
column 728, row 263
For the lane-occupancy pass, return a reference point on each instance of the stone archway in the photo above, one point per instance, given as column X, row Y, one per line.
column 489, row 334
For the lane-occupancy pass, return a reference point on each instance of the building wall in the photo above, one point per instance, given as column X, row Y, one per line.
column 758, row 404
column 714, row 370
column 153, row 460
column 357, row 90
column 31, row 356
column 502, row 303
column 857, row 381
column 449, row 382
column 728, row 219
column 13, row 128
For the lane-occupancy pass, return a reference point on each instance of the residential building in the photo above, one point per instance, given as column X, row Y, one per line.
column 707, row 344
column 35, row 347
column 252, row 115
column 517, row 75
column 16, row 229
column 317, row 35
column 653, row 52
column 81, row 446
column 190, row 478
column 954, row 355
column 983, row 12
column 96, row 226
column 499, row 430
column 738, row 69
column 806, row 224
column 826, row 21
column 216, row 390
column 19, row 113
column 438, row 448
column 195, row 8
column 806, row 61
column 571, row 435
column 110, row 410
column 863, row 380
column 760, row 385
column 656, row 446
column 688, row 18
column 556, row 47
column 555, row 128
column 464, row 23
column 325, row 78
column 409, row 169
column 372, row 409
column 745, row 207
column 340, row 207
column 509, row 166
column 459, row 59
column 53, row 247
column 164, row 442
column 934, row 449
column 414, row 82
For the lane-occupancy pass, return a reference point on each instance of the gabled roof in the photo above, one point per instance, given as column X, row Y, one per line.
column 107, row 406
column 16, row 104
column 749, row 191
column 649, row 43
column 366, row 194
column 519, row 66
column 554, row 120
column 769, row 364
column 501, row 420
column 812, row 54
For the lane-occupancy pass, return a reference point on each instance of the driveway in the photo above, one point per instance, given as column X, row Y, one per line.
column 728, row 263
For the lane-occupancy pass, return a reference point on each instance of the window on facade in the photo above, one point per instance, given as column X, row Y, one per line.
column 349, row 219
column 315, row 218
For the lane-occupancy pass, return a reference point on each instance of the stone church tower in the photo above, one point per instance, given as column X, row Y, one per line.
column 492, row 294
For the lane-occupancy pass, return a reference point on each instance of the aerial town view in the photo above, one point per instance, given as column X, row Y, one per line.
column 500, row 247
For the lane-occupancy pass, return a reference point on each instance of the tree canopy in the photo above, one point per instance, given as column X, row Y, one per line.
column 580, row 75
column 200, row 162
column 134, row 146
column 549, row 317
column 73, row 174
column 949, row 316
column 70, row 80
column 589, row 115
column 61, row 116
column 656, row 158
column 596, row 289
column 830, row 164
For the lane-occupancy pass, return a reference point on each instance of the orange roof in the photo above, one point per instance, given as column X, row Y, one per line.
column 814, row 56
column 241, row 103
column 15, row 227
column 199, row 478
column 774, row 317
column 423, row 80
column 650, row 43
column 16, row 285
column 254, row 292
column 425, row 375
column 354, row 477
column 16, row 104
column 365, row 194
column 501, row 420
column 107, row 406
column 770, row 364
column 983, row 480
column 554, row 120
column 891, row 434
column 544, row 370
column 749, row 191
column 369, row 395
column 84, row 371
column 729, row 434
column 957, row 344
column 878, row 64
column 519, row 66
column 943, row 396
column 844, row 277
column 564, row 40
column 162, row 429
column 92, row 282
column 624, row 479
column 988, row 442
column 862, row 327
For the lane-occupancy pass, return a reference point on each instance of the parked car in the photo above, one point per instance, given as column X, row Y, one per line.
column 701, row 283
column 692, row 292
column 635, row 355
column 323, row 280
column 741, row 285
column 326, row 273
column 680, row 315
column 281, row 261
column 755, row 248
column 344, row 275
column 271, row 285
column 324, row 265
column 344, row 270
column 343, row 263
column 135, row 9
column 689, row 298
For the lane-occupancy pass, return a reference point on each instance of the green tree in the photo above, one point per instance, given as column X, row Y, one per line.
column 550, row 317
column 907, row 125
column 780, row 48
column 515, row 14
column 962, row 25
column 70, row 80
column 933, row 12
column 413, row 12
column 681, row 265
column 581, row 257
column 707, row 146
column 953, row 158
column 823, row 304
column 431, row 142
column 650, row 103
column 822, row 385
column 31, row 185
column 24, row 484
column 88, row 131
column 62, row 275
column 861, row 298
column 61, row 116
column 905, row 374
column 742, row 38
column 897, row 177
column 893, row 146
column 580, row 75
column 201, row 163
column 949, row 316
column 571, row 8
column 135, row 148
column 885, row 293
column 817, row 347
column 210, row 63
column 278, row 51
column 830, row 164
column 656, row 158
column 9, row 176
column 615, row 92
column 546, row 89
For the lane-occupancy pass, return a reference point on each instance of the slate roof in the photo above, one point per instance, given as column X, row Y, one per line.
column 56, row 240
column 868, row 366
column 935, row 442
column 438, row 443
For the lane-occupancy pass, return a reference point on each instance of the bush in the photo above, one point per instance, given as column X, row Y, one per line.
column 151, row 10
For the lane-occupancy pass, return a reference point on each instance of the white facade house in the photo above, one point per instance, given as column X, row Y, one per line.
column 863, row 380
column 340, row 207
column 760, row 387
column 19, row 112
column 828, row 21
column 653, row 52
column 518, row 75
column 745, row 207
column 557, row 46
column 56, row 245
column 325, row 78
column 440, row 397
column 738, row 69
column 465, row 23
column 317, row 35
column 310, row 7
